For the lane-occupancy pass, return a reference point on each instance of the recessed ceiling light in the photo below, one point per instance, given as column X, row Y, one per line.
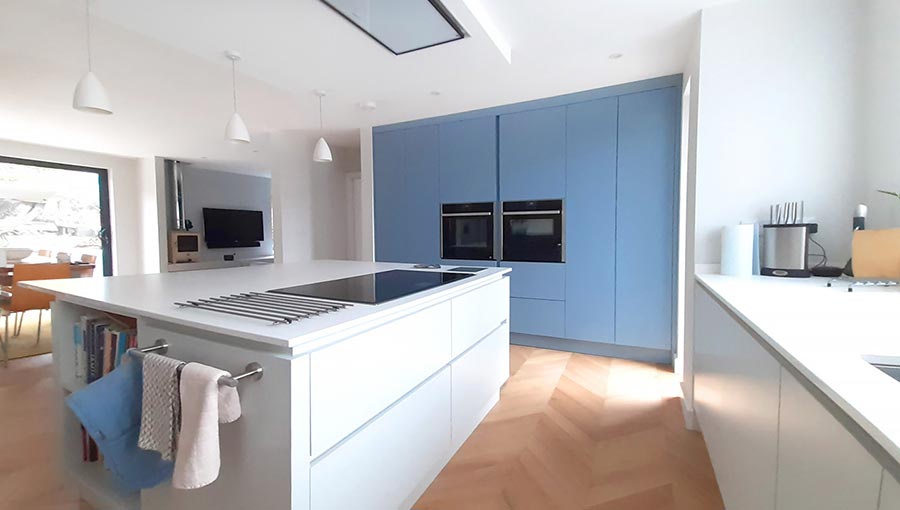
column 615, row 56
column 368, row 105
column 435, row 92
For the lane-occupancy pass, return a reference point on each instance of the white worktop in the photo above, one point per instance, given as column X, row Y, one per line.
column 153, row 296
column 824, row 333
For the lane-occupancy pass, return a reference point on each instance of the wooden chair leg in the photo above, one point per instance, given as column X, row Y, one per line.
column 40, row 316
column 5, row 343
column 17, row 323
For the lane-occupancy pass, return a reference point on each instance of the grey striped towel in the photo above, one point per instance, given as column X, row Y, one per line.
column 161, row 403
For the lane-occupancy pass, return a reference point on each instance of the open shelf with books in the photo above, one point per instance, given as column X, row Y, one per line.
column 106, row 337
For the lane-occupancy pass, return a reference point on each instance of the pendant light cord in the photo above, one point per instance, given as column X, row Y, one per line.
column 233, row 87
column 321, row 123
column 87, row 19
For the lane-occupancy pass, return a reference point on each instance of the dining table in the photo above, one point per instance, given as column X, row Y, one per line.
column 79, row 270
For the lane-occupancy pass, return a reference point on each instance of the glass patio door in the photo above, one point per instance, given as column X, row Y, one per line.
column 53, row 212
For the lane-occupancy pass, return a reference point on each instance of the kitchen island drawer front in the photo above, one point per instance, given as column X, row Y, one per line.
column 478, row 313
column 354, row 380
column 537, row 317
column 389, row 462
column 477, row 377
column 537, row 280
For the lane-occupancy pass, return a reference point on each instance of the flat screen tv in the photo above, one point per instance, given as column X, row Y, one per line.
column 232, row 228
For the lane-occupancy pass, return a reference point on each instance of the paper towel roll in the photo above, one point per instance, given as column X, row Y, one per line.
column 737, row 250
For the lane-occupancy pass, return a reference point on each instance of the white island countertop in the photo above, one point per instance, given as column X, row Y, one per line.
column 827, row 334
column 154, row 296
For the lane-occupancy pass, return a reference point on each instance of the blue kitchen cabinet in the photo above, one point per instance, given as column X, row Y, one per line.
column 390, row 193
column 423, row 210
column 407, row 208
column 537, row 316
column 533, row 154
column 537, row 280
column 468, row 160
column 590, row 290
column 645, row 217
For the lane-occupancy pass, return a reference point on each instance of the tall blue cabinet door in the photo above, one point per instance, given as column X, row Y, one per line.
column 591, row 220
column 468, row 152
column 423, row 215
column 533, row 154
column 645, row 217
column 390, row 196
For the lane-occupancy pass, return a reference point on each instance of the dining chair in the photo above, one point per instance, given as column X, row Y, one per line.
column 23, row 300
column 88, row 259
column 44, row 253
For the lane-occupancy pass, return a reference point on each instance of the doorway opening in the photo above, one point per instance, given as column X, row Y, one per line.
column 54, row 212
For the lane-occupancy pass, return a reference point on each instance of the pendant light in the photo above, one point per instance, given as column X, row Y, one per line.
column 236, row 131
column 90, row 96
column 322, row 152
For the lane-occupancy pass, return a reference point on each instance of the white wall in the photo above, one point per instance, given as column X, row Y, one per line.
column 204, row 187
column 128, row 203
column 367, row 208
column 881, row 97
column 778, row 117
column 310, row 199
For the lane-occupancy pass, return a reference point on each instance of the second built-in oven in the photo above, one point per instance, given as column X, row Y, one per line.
column 467, row 231
column 533, row 231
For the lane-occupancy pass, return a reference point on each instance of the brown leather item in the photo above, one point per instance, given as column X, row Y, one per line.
column 26, row 299
column 876, row 254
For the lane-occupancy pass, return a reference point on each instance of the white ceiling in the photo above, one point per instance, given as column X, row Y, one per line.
column 162, row 64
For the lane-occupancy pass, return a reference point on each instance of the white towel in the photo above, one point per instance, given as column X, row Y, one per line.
column 160, row 407
column 204, row 404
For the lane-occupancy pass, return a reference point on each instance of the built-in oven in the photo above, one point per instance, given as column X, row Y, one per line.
column 533, row 231
column 467, row 231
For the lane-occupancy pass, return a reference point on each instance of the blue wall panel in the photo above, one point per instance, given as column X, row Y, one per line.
column 533, row 154
column 469, row 160
column 645, row 217
column 591, row 220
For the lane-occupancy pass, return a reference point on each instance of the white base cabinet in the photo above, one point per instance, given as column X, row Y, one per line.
column 736, row 401
column 773, row 444
column 821, row 466
column 381, row 466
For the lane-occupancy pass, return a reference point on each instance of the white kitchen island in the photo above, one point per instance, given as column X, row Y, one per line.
column 357, row 409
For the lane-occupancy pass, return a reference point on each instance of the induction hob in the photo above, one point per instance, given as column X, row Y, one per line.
column 374, row 288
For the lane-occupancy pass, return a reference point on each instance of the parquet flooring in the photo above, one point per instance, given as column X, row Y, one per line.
column 30, row 404
column 579, row 432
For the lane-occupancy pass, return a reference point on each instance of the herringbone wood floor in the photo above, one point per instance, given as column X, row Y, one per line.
column 575, row 432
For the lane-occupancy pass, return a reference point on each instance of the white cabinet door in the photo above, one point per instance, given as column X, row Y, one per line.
column 478, row 313
column 354, row 380
column 736, row 399
column 821, row 466
column 477, row 377
column 890, row 492
column 388, row 464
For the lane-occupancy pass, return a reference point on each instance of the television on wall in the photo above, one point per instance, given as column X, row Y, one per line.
column 232, row 228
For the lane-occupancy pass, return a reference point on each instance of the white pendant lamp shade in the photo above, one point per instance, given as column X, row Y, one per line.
column 322, row 153
column 236, row 130
column 90, row 96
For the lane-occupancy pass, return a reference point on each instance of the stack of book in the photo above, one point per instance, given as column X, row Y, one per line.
column 100, row 346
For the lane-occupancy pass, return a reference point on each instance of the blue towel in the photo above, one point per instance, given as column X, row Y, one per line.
column 110, row 410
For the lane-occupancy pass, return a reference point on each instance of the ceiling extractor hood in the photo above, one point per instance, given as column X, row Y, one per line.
column 401, row 26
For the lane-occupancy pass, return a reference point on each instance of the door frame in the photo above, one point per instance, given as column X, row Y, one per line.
column 103, row 178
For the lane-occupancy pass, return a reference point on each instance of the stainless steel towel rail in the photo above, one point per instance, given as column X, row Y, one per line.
column 268, row 306
column 254, row 371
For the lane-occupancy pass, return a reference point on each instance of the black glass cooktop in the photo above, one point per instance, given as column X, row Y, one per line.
column 374, row 288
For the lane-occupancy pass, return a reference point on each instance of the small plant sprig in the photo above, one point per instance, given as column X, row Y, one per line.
column 891, row 193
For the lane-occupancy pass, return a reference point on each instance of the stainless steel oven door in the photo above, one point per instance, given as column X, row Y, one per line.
column 467, row 231
column 533, row 231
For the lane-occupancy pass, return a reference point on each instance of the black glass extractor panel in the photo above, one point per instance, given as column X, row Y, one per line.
column 374, row 288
